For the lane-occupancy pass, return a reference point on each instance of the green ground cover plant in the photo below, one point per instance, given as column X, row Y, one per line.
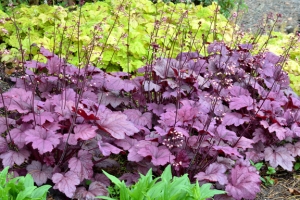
column 165, row 187
column 205, row 99
column 20, row 187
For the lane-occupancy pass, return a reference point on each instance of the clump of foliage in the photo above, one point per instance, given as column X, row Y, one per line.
column 226, row 6
column 205, row 112
column 20, row 187
column 124, row 31
column 205, row 115
column 164, row 187
column 125, row 36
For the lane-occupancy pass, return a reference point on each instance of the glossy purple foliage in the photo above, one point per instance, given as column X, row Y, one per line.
column 205, row 115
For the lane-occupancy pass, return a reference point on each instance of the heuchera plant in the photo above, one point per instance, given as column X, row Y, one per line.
column 205, row 115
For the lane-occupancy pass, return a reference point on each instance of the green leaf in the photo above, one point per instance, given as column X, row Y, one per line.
column 28, row 181
column 25, row 193
column 114, row 179
column 3, row 176
column 271, row 170
column 297, row 166
column 40, row 191
column 206, row 192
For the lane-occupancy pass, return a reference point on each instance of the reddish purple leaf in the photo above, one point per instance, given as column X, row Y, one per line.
column 244, row 143
column 244, row 182
column 294, row 149
column 39, row 118
column 160, row 155
column 17, row 136
column 66, row 183
column 126, row 143
column 106, row 148
column 138, row 118
column 39, row 172
column 226, row 134
column 106, row 98
column 95, row 189
column 72, row 140
column 234, row 118
column 214, row 173
column 279, row 130
column 130, row 178
column 3, row 125
column 45, row 52
column 116, row 84
column 149, row 86
column 85, row 131
column 83, row 114
column 242, row 101
column 10, row 157
column 42, row 139
column 3, row 145
column 17, row 99
column 279, row 156
column 116, row 124
column 82, row 165
column 163, row 68
column 156, row 108
column 227, row 150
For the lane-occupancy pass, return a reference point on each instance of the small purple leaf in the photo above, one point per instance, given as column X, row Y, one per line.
column 66, row 183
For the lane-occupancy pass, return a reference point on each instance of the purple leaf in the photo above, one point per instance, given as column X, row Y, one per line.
column 156, row 108
column 133, row 151
column 84, row 114
column 227, row 150
column 117, row 84
column 42, row 139
column 234, row 119
column 45, row 52
column 106, row 148
column 116, row 124
column 160, row 155
column 138, row 118
column 238, row 91
column 225, row 134
column 39, row 172
column 71, row 139
column 214, row 173
column 66, row 183
column 150, row 86
column 17, row 99
column 3, row 125
column 10, row 157
column 279, row 130
column 82, row 165
column 242, row 101
column 40, row 118
column 126, row 143
column 279, row 156
column 95, row 189
column 85, row 131
column 244, row 143
column 293, row 148
column 55, row 64
column 130, row 178
column 111, row 98
column 17, row 136
column 3, row 145
column 244, row 182
column 163, row 68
